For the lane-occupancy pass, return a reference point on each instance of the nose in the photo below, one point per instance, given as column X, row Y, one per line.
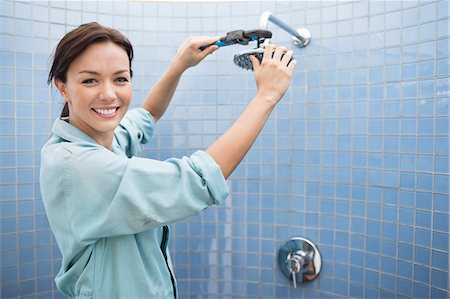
column 107, row 92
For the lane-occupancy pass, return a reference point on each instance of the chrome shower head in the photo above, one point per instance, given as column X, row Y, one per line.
column 242, row 59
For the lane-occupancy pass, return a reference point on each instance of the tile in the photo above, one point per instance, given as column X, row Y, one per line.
column 356, row 155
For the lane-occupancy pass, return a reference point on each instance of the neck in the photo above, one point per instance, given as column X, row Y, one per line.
column 104, row 139
column 105, row 143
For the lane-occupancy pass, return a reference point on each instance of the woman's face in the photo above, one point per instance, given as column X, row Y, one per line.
column 98, row 90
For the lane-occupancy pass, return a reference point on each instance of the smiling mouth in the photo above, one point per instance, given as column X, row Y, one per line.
column 106, row 112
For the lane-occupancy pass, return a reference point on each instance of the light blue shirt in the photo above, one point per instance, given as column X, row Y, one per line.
column 108, row 209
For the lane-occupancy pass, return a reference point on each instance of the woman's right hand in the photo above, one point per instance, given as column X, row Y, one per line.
column 273, row 75
column 189, row 53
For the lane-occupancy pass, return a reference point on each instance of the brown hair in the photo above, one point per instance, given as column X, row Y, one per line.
column 75, row 42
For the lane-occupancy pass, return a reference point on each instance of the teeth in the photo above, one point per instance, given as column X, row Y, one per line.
column 105, row 111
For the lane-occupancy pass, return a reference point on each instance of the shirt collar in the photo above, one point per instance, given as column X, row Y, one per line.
column 66, row 131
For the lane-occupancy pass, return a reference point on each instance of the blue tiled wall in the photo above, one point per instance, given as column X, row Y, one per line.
column 355, row 157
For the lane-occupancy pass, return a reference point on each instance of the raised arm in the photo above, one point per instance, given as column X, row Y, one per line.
column 272, row 77
column 188, row 55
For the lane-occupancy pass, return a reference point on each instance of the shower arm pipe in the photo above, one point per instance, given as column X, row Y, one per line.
column 301, row 36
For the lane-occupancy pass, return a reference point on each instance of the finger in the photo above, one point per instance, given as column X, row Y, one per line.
column 205, row 41
column 209, row 50
column 255, row 62
column 278, row 53
column 287, row 57
column 268, row 52
column 291, row 66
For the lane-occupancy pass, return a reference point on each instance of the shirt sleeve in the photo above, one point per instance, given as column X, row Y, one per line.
column 135, row 129
column 108, row 195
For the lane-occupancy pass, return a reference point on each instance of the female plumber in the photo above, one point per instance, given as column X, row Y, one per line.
column 108, row 207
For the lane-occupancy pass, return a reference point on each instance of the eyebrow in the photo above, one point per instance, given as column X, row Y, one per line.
column 96, row 73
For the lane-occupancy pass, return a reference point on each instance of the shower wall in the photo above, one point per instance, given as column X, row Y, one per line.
column 355, row 157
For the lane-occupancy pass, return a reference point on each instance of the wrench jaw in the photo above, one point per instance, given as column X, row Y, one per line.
column 259, row 35
column 244, row 37
column 235, row 37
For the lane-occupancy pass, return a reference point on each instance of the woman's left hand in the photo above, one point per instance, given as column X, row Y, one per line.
column 189, row 53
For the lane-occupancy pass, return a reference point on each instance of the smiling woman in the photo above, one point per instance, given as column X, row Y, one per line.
column 75, row 42
column 98, row 90
column 108, row 207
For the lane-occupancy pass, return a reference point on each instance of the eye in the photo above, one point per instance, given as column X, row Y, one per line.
column 88, row 81
column 122, row 80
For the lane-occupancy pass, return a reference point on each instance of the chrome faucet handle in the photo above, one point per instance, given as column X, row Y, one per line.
column 294, row 279
column 295, row 263
column 299, row 260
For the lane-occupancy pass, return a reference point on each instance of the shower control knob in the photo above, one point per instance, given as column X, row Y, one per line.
column 299, row 260
column 295, row 263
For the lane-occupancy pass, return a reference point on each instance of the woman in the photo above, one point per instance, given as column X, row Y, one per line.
column 108, row 207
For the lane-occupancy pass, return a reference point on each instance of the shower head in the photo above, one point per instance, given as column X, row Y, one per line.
column 242, row 59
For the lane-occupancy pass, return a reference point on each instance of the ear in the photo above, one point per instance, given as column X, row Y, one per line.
column 62, row 88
